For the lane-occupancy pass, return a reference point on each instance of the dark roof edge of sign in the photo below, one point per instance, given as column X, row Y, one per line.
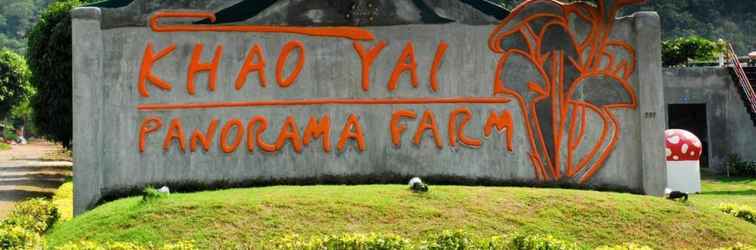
column 489, row 8
column 246, row 9
column 111, row 3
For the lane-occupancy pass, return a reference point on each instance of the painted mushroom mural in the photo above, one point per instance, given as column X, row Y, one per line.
column 561, row 64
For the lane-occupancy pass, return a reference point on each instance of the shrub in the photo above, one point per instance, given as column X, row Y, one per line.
column 536, row 242
column 35, row 215
column 453, row 240
column 682, row 50
column 63, row 200
column 739, row 167
column 151, row 194
column 629, row 246
column 182, row 245
column 10, row 134
column 14, row 237
column 49, row 54
column 14, row 83
column 89, row 245
column 343, row 242
column 739, row 246
column 460, row 241
column 744, row 212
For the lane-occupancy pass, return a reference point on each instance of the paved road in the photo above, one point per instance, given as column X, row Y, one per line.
column 24, row 175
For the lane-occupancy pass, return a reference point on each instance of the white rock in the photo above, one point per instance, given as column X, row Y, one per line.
column 164, row 190
column 415, row 180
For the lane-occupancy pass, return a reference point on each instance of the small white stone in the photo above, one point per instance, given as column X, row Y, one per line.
column 164, row 190
column 415, row 180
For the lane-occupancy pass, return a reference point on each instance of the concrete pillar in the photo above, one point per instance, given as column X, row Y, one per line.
column 87, row 103
column 651, row 101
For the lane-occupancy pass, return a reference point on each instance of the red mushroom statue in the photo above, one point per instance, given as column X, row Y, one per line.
column 682, row 146
column 683, row 153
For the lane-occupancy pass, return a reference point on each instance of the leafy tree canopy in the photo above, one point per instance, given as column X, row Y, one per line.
column 49, row 56
column 14, row 81
column 683, row 50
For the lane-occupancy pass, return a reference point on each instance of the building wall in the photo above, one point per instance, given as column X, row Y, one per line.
column 731, row 131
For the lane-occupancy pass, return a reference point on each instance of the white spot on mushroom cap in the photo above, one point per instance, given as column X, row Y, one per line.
column 668, row 151
column 685, row 148
column 674, row 139
column 675, row 157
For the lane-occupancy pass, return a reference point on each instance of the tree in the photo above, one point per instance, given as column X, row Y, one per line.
column 49, row 53
column 14, row 81
column 682, row 50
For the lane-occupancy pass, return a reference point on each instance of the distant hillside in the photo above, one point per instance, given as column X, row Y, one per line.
column 16, row 19
column 732, row 20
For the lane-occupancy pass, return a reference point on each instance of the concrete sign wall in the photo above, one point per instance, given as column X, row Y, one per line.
column 277, row 91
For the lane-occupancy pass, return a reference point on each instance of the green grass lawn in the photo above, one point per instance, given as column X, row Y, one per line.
column 4, row 146
column 726, row 190
column 259, row 214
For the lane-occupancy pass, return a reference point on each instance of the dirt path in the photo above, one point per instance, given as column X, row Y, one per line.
column 25, row 174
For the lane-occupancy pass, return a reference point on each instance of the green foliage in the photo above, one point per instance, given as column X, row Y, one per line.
column 63, row 200
column 731, row 20
column 743, row 212
column 15, row 237
column 446, row 240
column 14, row 81
column 151, row 194
column 683, row 50
column 739, row 246
column 739, row 167
column 628, row 246
column 88, row 245
column 49, row 56
column 22, row 227
column 452, row 240
column 35, row 215
column 16, row 17
column 342, row 242
column 22, row 115
column 537, row 242
column 9, row 133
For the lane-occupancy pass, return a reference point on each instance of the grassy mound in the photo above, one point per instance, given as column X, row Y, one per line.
column 260, row 214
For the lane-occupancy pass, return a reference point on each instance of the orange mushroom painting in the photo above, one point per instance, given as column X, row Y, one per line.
column 566, row 70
